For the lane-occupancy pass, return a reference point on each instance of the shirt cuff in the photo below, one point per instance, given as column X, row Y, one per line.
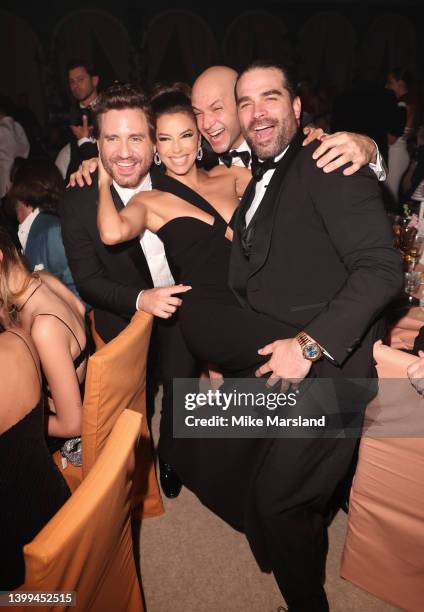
column 137, row 304
column 327, row 354
column 379, row 168
column 82, row 141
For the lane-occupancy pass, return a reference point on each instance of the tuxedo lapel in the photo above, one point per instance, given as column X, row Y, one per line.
column 238, row 261
column 267, row 208
column 135, row 252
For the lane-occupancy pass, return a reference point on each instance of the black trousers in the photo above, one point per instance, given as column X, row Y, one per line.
column 174, row 360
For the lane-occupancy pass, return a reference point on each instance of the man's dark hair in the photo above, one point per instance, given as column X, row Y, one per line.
column 39, row 184
column 286, row 73
column 120, row 97
column 77, row 62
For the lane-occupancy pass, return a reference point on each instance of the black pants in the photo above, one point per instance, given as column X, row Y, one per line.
column 174, row 361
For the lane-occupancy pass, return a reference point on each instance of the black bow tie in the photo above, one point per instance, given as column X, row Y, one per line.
column 259, row 168
column 227, row 158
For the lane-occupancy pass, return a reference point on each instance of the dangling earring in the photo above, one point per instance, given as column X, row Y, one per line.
column 157, row 159
column 200, row 153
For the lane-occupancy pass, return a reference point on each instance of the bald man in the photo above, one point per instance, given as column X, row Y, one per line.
column 215, row 108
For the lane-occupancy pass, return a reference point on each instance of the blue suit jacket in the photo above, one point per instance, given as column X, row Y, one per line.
column 44, row 249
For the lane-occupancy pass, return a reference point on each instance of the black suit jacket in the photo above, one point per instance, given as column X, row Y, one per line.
column 322, row 258
column 109, row 278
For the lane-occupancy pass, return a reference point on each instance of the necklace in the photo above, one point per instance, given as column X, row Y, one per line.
column 29, row 297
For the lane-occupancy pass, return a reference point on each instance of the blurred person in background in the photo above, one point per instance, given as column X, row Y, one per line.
column 83, row 82
column 13, row 143
column 400, row 81
column 36, row 190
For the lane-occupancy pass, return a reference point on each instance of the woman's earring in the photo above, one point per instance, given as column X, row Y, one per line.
column 200, row 153
column 157, row 159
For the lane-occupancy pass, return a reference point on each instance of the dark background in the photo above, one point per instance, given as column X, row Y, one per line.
column 35, row 47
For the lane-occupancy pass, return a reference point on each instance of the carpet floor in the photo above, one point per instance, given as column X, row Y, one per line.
column 191, row 561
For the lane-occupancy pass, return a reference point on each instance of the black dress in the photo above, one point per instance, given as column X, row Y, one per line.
column 31, row 491
column 217, row 330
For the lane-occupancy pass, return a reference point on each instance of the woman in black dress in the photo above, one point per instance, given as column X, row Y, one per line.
column 31, row 487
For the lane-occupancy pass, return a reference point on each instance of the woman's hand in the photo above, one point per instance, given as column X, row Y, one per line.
column 416, row 373
column 82, row 176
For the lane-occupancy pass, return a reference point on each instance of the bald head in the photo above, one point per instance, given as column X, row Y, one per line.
column 215, row 108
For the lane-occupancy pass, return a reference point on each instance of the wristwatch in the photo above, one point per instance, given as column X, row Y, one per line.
column 311, row 350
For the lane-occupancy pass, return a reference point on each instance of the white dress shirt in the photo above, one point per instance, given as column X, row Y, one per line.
column 63, row 160
column 260, row 189
column 25, row 226
column 152, row 246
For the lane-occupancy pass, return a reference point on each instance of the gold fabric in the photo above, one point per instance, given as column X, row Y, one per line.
column 384, row 550
column 116, row 380
column 87, row 546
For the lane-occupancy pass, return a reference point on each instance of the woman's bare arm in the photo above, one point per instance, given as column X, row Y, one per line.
column 52, row 342
column 115, row 227
column 242, row 176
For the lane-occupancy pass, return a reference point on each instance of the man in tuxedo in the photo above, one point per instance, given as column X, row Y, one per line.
column 315, row 251
column 118, row 280
column 83, row 82
column 215, row 108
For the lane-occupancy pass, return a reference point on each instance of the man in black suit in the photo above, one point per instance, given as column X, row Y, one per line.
column 118, row 280
column 315, row 251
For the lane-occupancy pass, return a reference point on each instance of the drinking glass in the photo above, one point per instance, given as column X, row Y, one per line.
column 412, row 284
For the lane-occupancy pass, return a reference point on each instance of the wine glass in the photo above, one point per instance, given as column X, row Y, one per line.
column 412, row 284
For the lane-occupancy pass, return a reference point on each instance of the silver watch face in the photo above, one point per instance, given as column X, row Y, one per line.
column 312, row 351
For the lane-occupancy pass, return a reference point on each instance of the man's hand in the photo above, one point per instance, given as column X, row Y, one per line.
column 81, row 131
column 160, row 301
column 416, row 373
column 312, row 133
column 340, row 148
column 287, row 362
column 82, row 176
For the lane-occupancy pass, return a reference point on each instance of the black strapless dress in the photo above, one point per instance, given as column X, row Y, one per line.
column 218, row 330
column 215, row 326
column 31, row 492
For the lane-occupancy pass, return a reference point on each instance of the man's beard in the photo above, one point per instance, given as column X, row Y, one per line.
column 286, row 130
column 129, row 182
